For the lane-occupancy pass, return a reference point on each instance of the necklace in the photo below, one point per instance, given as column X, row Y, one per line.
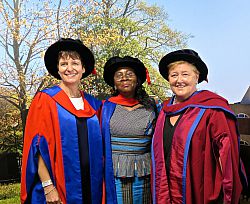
column 72, row 93
column 75, row 96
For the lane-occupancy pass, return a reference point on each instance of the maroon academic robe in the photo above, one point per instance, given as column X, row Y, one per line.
column 204, row 155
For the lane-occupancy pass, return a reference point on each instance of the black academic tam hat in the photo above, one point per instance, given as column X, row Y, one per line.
column 187, row 55
column 68, row 44
column 116, row 62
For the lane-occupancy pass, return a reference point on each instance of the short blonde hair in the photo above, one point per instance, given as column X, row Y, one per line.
column 174, row 64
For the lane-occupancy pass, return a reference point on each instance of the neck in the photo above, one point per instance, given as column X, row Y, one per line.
column 178, row 99
column 127, row 95
column 72, row 91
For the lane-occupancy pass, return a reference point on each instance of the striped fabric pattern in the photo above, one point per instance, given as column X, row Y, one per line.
column 131, row 123
column 131, row 165
column 133, row 190
column 131, row 141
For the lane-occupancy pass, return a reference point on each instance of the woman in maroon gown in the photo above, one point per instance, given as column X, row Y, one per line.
column 195, row 154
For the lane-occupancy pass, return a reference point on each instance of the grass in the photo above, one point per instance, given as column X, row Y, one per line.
column 10, row 193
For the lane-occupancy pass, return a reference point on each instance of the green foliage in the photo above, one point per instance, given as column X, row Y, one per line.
column 123, row 28
column 11, row 136
column 107, row 27
column 10, row 193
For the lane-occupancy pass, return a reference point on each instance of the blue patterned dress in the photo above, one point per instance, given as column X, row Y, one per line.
column 130, row 135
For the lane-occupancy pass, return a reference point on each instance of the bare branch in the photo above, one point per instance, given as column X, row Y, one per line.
column 9, row 99
column 57, row 18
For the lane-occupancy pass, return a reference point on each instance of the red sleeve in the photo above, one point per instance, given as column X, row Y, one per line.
column 32, row 128
column 225, row 145
column 42, row 122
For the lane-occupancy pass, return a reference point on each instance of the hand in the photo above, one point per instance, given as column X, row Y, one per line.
column 51, row 195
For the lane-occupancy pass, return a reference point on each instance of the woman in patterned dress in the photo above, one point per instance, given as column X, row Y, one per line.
column 127, row 126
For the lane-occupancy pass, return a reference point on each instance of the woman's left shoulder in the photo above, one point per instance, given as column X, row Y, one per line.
column 213, row 95
column 93, row 101
column 89, row 96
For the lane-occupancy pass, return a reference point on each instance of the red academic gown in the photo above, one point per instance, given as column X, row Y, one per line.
column 204, row 155
column 56, row 131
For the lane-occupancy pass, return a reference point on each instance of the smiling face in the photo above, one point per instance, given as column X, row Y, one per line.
column 125, row 81
column 183, row 78
column 70, row 68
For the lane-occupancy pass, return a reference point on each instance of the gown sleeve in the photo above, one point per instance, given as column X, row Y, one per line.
column 37, row 139
column 226, row 149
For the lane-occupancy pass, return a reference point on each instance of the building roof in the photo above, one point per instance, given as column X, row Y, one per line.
column 246, row 97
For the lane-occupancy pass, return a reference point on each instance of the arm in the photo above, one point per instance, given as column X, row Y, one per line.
column 50, row 191
column 36, row 147
column 225, row 139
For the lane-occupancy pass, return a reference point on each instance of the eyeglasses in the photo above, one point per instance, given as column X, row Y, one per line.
column 120, row 76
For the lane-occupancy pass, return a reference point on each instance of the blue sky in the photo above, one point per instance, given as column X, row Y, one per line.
column 221, row 30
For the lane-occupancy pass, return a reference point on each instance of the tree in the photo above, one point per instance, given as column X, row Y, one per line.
column 107, row 27
column 128, row 27
column 26, row 29
column 10, row 130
